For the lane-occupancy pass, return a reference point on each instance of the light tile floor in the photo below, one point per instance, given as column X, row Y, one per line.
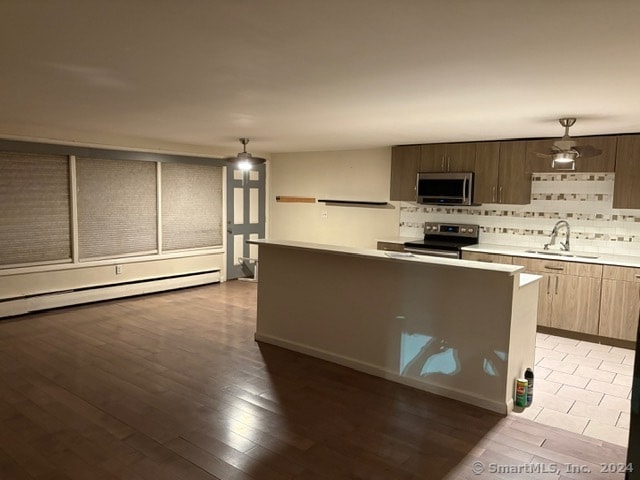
column 582, row 387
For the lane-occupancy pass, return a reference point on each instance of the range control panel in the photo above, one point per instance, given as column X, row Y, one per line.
column 452, row 229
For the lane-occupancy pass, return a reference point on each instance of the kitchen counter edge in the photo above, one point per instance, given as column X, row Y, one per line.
column 391, row 256
column 602, row 259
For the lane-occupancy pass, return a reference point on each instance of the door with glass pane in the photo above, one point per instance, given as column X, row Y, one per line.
column 245, row 219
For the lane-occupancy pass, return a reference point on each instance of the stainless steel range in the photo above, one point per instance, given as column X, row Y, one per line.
column 444, row 240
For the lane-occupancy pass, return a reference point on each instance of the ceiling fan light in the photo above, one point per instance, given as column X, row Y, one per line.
column 564, row 157
column 564, row 160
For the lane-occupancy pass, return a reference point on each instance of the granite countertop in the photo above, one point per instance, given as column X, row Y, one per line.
column 581, row 257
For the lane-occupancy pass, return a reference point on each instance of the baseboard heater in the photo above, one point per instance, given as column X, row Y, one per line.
column 43, row 301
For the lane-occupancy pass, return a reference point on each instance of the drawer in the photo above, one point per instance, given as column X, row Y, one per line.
column 627, row 274
column 559, row 266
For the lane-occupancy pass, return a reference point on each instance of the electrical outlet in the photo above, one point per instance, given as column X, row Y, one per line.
column 118, row 269
column 323, row 214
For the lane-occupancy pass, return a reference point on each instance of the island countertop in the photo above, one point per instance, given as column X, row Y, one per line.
column 392, row 256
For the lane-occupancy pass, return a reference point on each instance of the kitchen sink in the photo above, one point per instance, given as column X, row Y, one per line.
column 561, row 254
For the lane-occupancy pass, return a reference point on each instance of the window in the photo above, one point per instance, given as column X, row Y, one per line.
column 34, row 217
column 117, row 208
column 191, row 206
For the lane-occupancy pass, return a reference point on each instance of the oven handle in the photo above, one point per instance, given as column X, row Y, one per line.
column 433, row 253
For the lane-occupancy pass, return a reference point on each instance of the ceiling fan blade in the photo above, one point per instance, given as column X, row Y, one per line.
column 587, row 150
column 543, row 155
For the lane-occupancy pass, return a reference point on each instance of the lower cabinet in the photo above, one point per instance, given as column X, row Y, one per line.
column 596, row 299
column 569, row 294
column 620, row 304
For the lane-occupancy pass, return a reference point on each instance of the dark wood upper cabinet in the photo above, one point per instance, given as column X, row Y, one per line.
column 626, row 186
column 433, row 158
column 448, row 157
column 487, row 169
column 514, row 186
column 605, row 162
column 503, row 168
column 500, row 173
column 405, row 162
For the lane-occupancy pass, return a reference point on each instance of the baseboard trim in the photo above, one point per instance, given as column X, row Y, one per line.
column 20, row 306
column 375, row 370
column 588, row 337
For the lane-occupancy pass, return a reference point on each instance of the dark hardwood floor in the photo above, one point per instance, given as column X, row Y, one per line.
column 173, row 386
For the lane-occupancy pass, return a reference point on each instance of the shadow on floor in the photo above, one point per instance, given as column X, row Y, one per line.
column 334, row 422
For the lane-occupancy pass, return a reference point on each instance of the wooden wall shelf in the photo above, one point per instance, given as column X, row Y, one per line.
column 289, row 199
column 353, row 202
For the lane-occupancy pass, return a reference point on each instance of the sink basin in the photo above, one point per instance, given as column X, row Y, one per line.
column 561, row 254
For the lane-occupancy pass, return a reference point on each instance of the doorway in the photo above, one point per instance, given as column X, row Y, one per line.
column 245, row 218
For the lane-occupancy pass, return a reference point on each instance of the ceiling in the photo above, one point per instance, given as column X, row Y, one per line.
column 310, row 75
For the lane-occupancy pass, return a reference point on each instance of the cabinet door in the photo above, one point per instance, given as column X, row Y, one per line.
column 487, row 167
column 605, row 162
column 626, row 193
column 461, row 157
column 545, row 298
column 535, row 163
column 404, row 172
column 433, row 158
column 619, row 309
column 514, row 183
column 545, row 293
column 620, row 302
column 576, row 303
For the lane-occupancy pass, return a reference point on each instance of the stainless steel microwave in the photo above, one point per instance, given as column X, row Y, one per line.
column 444, row 188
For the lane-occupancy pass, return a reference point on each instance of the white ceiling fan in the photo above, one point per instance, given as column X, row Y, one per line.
column 565, row 151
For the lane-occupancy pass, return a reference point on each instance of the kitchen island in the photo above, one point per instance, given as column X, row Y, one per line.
column 461, row 329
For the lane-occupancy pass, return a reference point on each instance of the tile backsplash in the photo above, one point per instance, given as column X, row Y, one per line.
column 583, row 199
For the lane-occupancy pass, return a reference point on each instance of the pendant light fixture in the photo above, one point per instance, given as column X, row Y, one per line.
column 244, row 160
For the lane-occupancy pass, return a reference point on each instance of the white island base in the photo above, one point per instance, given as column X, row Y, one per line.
column 465, row 330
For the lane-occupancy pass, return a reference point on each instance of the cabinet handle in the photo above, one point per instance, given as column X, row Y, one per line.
column 500, row 194
column 442, row 164
column 548, row 284
column 557, row 278
column 551, row 267
column 448, row 164
column 493, row 194
column 637, row 275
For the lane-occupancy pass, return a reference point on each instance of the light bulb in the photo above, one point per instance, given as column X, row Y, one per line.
column 244, row 165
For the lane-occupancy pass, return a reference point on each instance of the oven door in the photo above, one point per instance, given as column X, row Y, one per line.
column 433, row 252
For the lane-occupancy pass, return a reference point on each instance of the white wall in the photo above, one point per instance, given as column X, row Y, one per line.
column 342, row 175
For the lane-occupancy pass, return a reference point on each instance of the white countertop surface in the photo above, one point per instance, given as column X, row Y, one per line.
column 398, row 239
column 581, row 257
column 393, row 256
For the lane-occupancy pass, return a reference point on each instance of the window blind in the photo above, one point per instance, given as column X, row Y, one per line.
column 191, row 206
column 117, row 208
column 34, row 212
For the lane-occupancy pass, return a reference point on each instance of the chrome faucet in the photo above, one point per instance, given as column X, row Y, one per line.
column 554, row 233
